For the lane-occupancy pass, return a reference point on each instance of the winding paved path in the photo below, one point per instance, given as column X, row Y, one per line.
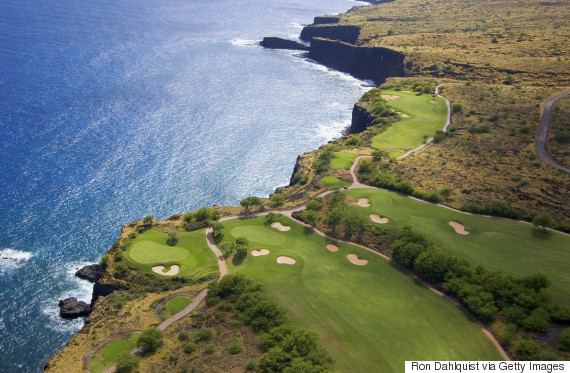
column 544, row 128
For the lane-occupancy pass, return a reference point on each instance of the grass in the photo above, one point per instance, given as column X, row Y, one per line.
column 409, row 133
column 191, row 252
column 177, row 304
column 111, row 352
column 367, row 316
column 342, row 160
column 499, row 165
column 500, row 244
column 333, row 182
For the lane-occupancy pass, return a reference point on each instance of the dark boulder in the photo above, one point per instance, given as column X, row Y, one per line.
column 91, row 273
column 71, row 308
column 273, row 42
column 101, row 290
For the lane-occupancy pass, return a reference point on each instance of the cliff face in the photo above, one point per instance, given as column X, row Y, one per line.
column 273, row 42
column 370, row 63
column 347, row 34
column 361, row 119
column 321, row 20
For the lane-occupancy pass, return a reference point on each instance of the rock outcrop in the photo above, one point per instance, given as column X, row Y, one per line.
column 91, row 273
column 361, row 119
column 369, row 63
column 71, row 308
column 325, row 20
column 101, row 290
column 273, row 42
column 347, row 33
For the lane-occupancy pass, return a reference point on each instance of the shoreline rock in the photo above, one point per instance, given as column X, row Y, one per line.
column 71, row 308
column 273, row 42
column 91, row 273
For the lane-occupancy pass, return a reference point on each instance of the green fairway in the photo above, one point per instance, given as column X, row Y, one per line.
column 409, row 133
column 371, row 318
column 342, row 160
column 500, row 244
column 191, row 252
column 177, row 304
column 333, row 182
column 110, row 353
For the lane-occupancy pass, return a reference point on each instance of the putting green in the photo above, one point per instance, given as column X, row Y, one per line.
column 342, row 160
column 425, row 118
column 367, row 316
column 500, row 244
column 259, row 234
column 177, row 304
column 333, row 182
column 147, row 252
column 110, row 353
column 191, row 253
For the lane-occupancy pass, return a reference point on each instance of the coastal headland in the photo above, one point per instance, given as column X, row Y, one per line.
column 413, row 230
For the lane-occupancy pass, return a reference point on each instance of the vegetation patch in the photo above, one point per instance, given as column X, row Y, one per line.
column 111, row 353
column 342, row 160
column 332, row 182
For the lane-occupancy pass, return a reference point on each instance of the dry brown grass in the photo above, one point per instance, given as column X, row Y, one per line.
column 477, row 40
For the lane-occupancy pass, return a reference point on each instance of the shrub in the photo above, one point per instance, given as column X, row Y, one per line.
column 127, row 363
column 353, row 141
column 172, row 239
column 249, row 202
column 277, row 200
column 148, row 220
column 528, row 350
column 563, row 340
column 210, row 349
column 456, row 108
column 150, row 340
column 183, row 336
column 189, row 348
column 300, row 178
column 543, row 221
column 250, row 365
column 235, row 347
column 174, row 217
column 439, row 136
column 479, row 129
column 203, row 334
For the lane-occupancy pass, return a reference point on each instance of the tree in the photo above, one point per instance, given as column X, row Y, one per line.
column 216, row 228
column 249, row 202
column 150, row 340
column 377, row 155
column 543, row 221
column 127, row 363
column 148, row 220
column 528, row 350
column 311, row 217
column 353, row 141
column 172, row 239
column 433, row 264
column 456, row 108
column 277, row 200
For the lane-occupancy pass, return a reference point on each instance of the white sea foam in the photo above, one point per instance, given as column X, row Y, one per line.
column 76, row 288
column 245, row 42
column 11, row 259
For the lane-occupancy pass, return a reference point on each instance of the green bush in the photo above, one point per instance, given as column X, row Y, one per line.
column 150, row 340
column 127, row 363
column 203, row 334
column 353, row 141
column 250, row 365
column 172, row 239
column 189, row 348
column 210, row 349
column 528, row 350
column 563, row 340
column 277, row 200
column 235, row 347
column 183, row 336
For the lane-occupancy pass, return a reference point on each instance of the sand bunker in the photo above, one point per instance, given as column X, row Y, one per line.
column 390, row 97
column 377, row 219
column 459, row 228
column 353, row 258
column 407, row 91
column 433, row 102
column 160, row 270
column 363, row 202
column 281, row 227
column 405, row 116
column 332, row 248
column 260, row 252
column 285, row 260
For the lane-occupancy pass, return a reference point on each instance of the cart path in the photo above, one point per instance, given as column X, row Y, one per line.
column 544, row 129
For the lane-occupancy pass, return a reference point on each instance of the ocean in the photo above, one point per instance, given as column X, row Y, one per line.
column 112, row 110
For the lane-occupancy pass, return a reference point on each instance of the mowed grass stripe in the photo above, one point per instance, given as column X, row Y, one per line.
column 425, row 118
column 499, row 244
column 371, row 317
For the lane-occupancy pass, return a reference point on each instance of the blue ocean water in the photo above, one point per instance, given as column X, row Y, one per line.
column 112, row 110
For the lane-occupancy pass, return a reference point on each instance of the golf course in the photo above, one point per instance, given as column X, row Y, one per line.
column 342, row 160
column 191, row 253
column 421, row 116
column 501, row 244
column 368, row 312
